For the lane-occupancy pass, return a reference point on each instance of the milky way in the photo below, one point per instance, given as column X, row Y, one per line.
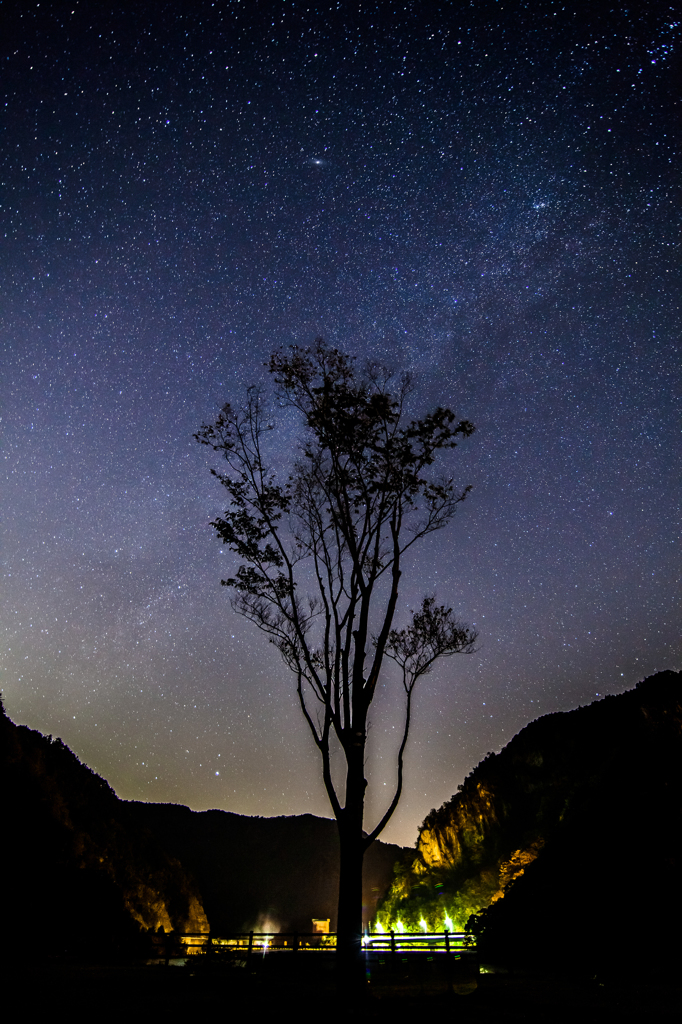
column 484, row 194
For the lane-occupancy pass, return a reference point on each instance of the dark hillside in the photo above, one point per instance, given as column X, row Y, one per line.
column 72, row 859
column 604, row 895
column 583, row 808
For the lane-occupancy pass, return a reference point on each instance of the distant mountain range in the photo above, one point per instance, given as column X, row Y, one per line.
column 252, row 872
column 570, row 836
column 75, row 859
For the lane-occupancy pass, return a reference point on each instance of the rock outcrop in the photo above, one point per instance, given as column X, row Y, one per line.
column 576, row 803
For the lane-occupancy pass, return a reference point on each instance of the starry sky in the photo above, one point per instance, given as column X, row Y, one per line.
column 483, row 193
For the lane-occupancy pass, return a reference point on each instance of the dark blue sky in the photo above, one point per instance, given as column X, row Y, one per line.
column 486, row 194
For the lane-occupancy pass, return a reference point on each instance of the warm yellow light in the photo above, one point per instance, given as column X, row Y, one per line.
column 449, row 926
column 423, row 925
column 400, row 927
column 378, row 929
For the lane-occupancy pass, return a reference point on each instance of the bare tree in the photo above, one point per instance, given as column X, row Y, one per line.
column 321, row 554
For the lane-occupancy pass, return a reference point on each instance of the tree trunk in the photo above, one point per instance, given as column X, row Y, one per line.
column 351, row 853
column 349, row 926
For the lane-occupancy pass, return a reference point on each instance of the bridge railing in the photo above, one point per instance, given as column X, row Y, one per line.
column 418, row 942
column 244, row 945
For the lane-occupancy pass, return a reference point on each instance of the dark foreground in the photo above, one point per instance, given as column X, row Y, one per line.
column 393, row 993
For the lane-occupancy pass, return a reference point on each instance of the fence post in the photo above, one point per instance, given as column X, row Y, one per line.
column 392, row 944
column 249, row 950
column 449, row 968
column 295, row 947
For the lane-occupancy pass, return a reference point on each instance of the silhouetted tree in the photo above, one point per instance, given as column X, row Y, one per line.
column 321, row 554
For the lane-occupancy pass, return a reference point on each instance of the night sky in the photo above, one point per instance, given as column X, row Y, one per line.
column 483, row 193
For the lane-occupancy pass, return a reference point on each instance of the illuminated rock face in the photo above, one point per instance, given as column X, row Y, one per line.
column 466, row 854
column 514, row 806
column 73, row 860
column 445, row 843
column 151, row 908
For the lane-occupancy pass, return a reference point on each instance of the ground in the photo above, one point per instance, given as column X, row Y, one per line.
column 146, row 992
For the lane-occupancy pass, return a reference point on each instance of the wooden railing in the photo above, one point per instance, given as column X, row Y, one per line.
column 419, row 942
column 244, row 945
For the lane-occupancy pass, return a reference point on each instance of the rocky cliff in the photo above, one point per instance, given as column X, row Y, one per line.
column 575, row 803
